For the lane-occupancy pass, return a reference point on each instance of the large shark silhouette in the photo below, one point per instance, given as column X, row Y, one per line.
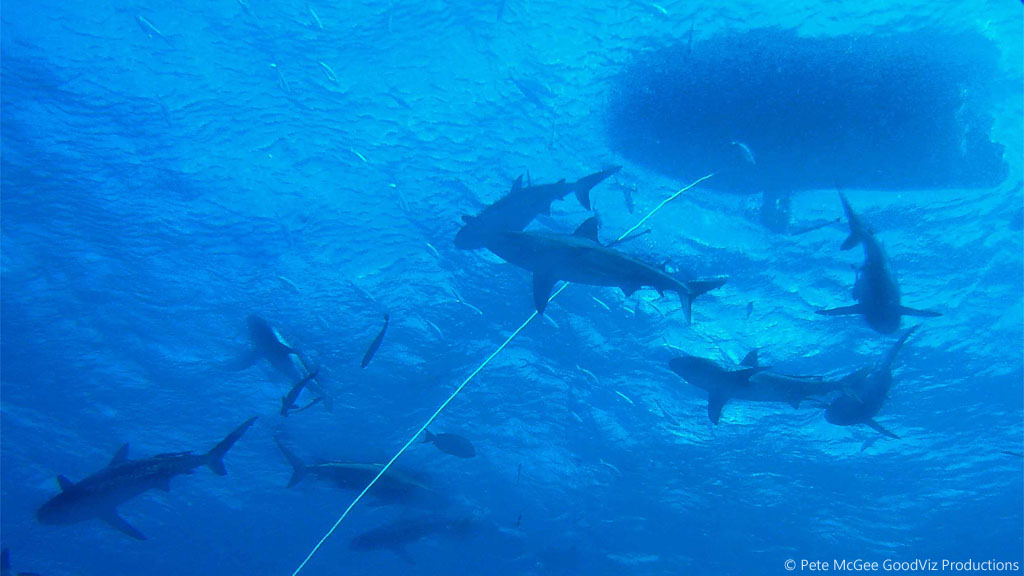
column 99, row 495
column 876, row 291
column 581, row 258
column 869, row 390
column 515, row 211
column 750, row 382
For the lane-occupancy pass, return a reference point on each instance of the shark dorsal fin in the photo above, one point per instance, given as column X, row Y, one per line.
column 120, row 456
column 64, row 483
column 517, row 185
column 466, row 218
column 750, row 360
column 588, row 229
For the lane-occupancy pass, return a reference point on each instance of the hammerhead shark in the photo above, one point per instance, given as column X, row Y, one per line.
column 581, row 258
column 875, row 290
column 751, row 382
column 871, row 387
column 99, row 495
column 515, row 211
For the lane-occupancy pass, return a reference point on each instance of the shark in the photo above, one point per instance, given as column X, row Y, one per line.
column 876, row 291
column 515, row 211
column 268, row 344
column 395, row 487
column 99, row 495
column 751, row 382
column 871, row 387
column 581, row 258
column 398, row 534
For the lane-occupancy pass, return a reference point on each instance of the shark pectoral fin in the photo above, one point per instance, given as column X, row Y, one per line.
column 402, row 553
column 64, row 483
column 121, row 525
column 794, row 402
column 543, row 284
column 164, row 484
column 905, row 311
column 750, row 360
column 120, row 456
column 588, row 229
column 842, row 311
column 717, row 398
column 880, row 429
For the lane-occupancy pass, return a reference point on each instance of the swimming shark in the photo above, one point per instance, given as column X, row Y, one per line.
column 751, row 382
column 99, row 495
column 396, row 535
column 394, row 487
column 872, row 386
column 520, row 206
column 581, row 258
column 268, row 344
column 875, row 290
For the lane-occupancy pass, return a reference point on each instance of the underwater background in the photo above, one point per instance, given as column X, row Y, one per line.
column 169, row 169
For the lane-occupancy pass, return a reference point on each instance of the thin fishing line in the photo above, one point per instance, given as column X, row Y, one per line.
column 468, row 379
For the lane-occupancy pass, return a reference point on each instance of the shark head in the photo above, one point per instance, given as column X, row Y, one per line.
column 472, row 235
column 699, row 372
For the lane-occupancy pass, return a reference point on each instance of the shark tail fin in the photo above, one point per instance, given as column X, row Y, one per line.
column 216, row 456
column 874, row 425
column 693, row 289
column 890, row 356
column 583, row 186
column 856, row 226
column 298, row 467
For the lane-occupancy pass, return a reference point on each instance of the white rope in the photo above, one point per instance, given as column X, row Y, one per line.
column 468, row 379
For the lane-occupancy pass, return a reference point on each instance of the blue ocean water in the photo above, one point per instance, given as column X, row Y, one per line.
column 169, row 169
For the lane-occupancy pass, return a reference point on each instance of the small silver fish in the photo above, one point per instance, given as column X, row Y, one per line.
column 748, row 154
column 316, row 19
